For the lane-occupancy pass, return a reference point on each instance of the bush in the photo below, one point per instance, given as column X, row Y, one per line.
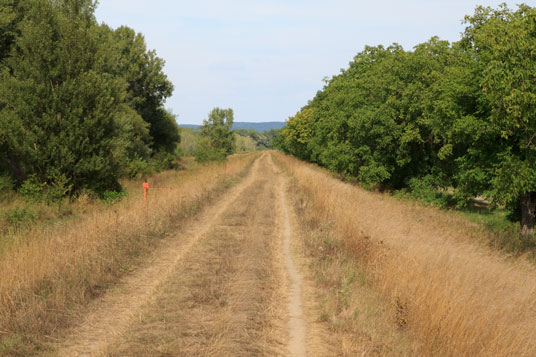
column 209, row 155
column 58, row 189
column 137, row 168
column 111, row 197
column 32, row 189
column 35, row 191
column 166, row 161
column 423, row 188
column 17, row 216
column 205, row 152
column 6, row 185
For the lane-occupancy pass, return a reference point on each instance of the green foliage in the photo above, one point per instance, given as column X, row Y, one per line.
column 373, row 122
column 32, row 189
column 80, row 104
column 501, row 40
column 60, row 117
column 189, row 140
column 6, row 185
column 136, row 168
column 261, row 141
column 18, row 216
column 207, row 152
column 148, row 87
column 8, row 23
column 424, row 189
column 441, row 116
column 297, row 133
column 165, row 160
column 245, row 143
column 268, row 138
column 111, row 197
column 217, row 138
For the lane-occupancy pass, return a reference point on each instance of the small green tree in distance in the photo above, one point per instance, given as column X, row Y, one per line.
column 217, row 139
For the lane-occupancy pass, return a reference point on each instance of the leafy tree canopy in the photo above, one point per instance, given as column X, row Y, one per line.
column 459, row 115
column 502, row 158
column 217, row 134
column 79, row 102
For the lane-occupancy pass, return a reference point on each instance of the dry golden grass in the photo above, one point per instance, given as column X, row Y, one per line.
column 18, row 214
column 454, row 295
column 348, row 315
column 47, row 270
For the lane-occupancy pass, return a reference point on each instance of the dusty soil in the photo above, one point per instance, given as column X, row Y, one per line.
column 296, row 323
column 226, row 284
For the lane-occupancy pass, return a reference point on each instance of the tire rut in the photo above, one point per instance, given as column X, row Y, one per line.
column 225, row 285
column 111, row 315
column 224, row 299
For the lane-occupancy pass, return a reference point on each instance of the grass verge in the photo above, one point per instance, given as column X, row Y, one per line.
column 452, row 295
column 359, row 319
column 497, row 230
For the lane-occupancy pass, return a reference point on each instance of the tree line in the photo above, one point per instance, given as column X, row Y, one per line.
column 263, row 140
column 216, row 139
column 81, row 104
column 446, row 115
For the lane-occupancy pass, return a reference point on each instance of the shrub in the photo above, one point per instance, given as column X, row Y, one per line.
column 32, row 189
column 6, row 185
column 17, row 216
column 423, row 188
column 166, row 161
column 137, row 168
column 111, row 197
column 206, row 152
column 58, row 189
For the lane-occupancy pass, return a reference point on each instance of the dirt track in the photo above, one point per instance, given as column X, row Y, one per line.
column 225, row 285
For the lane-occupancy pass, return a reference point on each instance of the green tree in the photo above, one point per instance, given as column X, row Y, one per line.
column 58, row 104
column 367, row 122
column 262, row 140
column 217, row 134
column 297, row 133
column 270, row 136
column 391, row 119
column 501, row 159
column 148, row 87
column 11, row 14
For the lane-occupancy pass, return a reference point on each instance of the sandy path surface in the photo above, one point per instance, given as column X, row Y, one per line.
column 225, row 285
column 296, row 322
column 111, row 314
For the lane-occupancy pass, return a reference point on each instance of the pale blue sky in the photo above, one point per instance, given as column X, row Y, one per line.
column 267, row 58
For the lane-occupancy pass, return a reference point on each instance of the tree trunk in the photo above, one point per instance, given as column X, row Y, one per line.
column 528, row 209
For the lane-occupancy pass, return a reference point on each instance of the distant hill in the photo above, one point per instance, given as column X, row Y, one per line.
column 191, row 126
column 260, row 127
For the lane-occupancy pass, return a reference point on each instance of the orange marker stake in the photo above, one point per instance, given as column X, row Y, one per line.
column 145, row 189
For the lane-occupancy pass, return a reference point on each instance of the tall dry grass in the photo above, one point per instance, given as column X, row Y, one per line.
column 47, row 270
column 454, row 295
